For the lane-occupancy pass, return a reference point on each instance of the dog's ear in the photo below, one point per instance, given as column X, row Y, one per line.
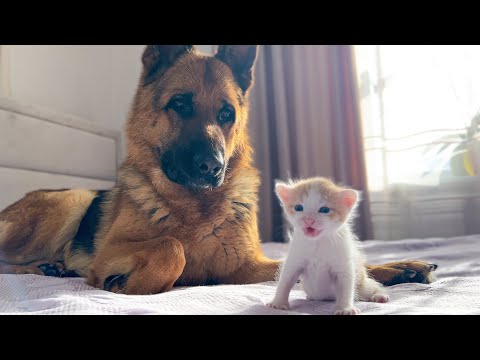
column 240, row 58
column 158, row 58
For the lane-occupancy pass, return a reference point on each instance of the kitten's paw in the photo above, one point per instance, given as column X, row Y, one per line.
column 351, row 310
column 380, row 298
column 278, row 305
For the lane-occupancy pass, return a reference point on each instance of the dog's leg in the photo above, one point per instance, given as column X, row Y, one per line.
column 143, row 267
column 261, row 270
column 19, row 269
column 43, row 267
column 56, row 269
column 402, row 272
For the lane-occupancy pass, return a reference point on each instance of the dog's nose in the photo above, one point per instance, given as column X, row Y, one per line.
column 208, row 165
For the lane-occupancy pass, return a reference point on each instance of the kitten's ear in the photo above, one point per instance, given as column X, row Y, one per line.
column 349, row 197
column 283, row 191
column 158, row 58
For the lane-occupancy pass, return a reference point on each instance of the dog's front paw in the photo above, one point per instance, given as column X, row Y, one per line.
column 278, row 305
column 349, row 310
column 380, row 298
column 115, row 283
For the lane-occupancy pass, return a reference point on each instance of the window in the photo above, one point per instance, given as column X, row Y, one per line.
column 420, row 117
column 416, row 101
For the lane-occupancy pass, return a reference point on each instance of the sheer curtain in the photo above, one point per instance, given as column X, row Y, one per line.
column 420, row 107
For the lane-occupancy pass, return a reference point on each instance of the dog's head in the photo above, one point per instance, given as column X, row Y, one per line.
column 190, row 111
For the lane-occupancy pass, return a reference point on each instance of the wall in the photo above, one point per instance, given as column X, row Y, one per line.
column 42, row 149
column 95, row 82
column 408, row 211
column 60, row 108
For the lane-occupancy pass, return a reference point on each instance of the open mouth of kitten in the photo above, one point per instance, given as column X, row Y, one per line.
column 311, row 232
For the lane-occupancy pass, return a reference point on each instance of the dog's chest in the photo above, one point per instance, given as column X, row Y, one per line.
column 218, row 242
column 218, row 245
column 215, row 230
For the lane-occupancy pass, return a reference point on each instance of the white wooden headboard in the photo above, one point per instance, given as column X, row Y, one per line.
column 43, row 149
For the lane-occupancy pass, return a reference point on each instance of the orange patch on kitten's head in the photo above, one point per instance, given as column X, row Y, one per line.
column 340, row 200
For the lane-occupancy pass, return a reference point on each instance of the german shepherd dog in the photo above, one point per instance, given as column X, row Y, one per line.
column 184, row 208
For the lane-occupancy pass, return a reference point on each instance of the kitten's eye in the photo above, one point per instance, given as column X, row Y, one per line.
column 324, row 210
column 226, row 115
column 298, row 208
column 181, row 104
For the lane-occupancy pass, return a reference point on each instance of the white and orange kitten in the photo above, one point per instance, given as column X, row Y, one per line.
column 324, row 252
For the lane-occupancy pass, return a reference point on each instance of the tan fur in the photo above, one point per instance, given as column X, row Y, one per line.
column 403, row 271
column 19, row 269
column 38, row 229
column 156, row 232
column 4, row 227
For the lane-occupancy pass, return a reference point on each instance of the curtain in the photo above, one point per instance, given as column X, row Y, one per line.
column 304, row 122
column 420, row 108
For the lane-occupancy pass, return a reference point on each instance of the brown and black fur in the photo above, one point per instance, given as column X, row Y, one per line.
column 160, row 225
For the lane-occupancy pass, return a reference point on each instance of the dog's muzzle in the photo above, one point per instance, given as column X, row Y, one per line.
column 200, row 170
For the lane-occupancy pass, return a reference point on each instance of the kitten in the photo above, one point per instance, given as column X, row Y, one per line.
column 323, row 250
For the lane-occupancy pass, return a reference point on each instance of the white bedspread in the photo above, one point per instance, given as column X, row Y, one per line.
column 457, row 290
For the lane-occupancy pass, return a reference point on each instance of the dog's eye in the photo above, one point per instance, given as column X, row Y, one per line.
column 178, row 104
column 226, row 115
column 181, row 104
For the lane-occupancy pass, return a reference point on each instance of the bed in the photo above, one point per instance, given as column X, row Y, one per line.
column 29, row 160
column 456, row 290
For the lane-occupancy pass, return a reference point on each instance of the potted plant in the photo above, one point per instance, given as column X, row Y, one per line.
column 459, row 149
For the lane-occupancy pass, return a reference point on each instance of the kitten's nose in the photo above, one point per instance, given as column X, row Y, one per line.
column 309, row 221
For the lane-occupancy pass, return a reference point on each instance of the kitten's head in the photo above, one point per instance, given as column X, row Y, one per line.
column 316, row 206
